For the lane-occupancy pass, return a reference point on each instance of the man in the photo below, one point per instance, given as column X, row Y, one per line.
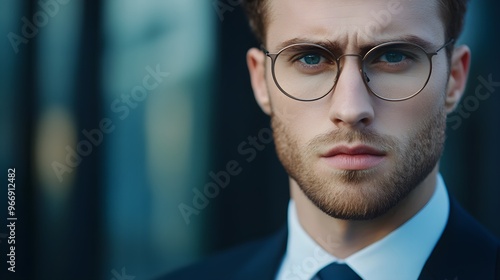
column 366, row 104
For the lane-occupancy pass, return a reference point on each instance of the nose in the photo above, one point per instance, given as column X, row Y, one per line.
column 351, row 102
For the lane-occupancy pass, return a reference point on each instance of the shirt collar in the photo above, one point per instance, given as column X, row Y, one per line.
column 399, row 255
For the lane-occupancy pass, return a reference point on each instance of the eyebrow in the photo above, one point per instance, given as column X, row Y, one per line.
column 333, row 46
column 337, row 47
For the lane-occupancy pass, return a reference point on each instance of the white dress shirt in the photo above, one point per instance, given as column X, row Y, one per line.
column 400, row 255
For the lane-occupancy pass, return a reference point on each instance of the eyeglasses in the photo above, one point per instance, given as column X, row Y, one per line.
column 392, row 71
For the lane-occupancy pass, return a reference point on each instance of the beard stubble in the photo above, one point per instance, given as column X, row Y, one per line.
column 362, row 194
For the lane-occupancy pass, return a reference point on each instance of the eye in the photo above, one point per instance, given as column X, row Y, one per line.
column 311, row 59
column 393, row 57
column 396, row 58
column 306, row 60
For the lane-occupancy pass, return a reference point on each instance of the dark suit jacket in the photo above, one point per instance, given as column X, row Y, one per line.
column 464, row 251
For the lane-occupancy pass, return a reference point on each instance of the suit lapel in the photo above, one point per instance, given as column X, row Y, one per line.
column 464, row 251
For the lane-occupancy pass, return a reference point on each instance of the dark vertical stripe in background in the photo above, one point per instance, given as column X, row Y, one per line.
column 85, row 230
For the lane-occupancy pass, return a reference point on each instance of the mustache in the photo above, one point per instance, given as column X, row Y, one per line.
column 344, row 135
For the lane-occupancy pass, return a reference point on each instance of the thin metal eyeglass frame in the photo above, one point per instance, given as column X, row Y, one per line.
column 273, row 57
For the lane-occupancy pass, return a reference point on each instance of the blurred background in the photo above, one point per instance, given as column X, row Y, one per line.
column 116, row 114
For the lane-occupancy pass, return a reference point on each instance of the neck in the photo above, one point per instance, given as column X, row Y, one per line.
column 342, row 238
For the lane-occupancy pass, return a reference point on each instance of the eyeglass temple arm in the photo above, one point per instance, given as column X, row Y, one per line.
column 450, row 42
column 263, row 49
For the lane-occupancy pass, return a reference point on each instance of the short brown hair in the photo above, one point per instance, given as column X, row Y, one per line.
column 452, row 13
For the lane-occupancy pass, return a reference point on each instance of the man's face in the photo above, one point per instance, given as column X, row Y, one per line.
column 354, row 155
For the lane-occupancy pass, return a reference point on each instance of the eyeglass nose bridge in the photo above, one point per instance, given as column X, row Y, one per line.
column 360, row 68
column 349, row 54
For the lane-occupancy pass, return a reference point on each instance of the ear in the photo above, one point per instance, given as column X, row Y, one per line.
column 459, row 71
column 256, row 62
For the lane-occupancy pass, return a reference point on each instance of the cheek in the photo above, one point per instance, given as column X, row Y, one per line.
column 434, row 94
column 301, row 119
column 300, row 123
column 407, row 115
column 432, row 98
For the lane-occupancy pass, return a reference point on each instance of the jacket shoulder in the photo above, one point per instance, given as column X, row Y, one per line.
column 466, row 250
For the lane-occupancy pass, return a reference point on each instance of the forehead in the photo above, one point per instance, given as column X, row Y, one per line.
column 353, row 23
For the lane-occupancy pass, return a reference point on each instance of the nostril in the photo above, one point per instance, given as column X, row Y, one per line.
column 362, row 123
column 366, row 121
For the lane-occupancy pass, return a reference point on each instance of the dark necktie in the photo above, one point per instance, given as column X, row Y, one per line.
column 336, row 271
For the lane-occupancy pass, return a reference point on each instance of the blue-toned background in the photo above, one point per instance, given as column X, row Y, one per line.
column 116, row 113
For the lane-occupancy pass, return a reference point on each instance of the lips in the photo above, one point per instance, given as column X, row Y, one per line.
column 360, row 157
